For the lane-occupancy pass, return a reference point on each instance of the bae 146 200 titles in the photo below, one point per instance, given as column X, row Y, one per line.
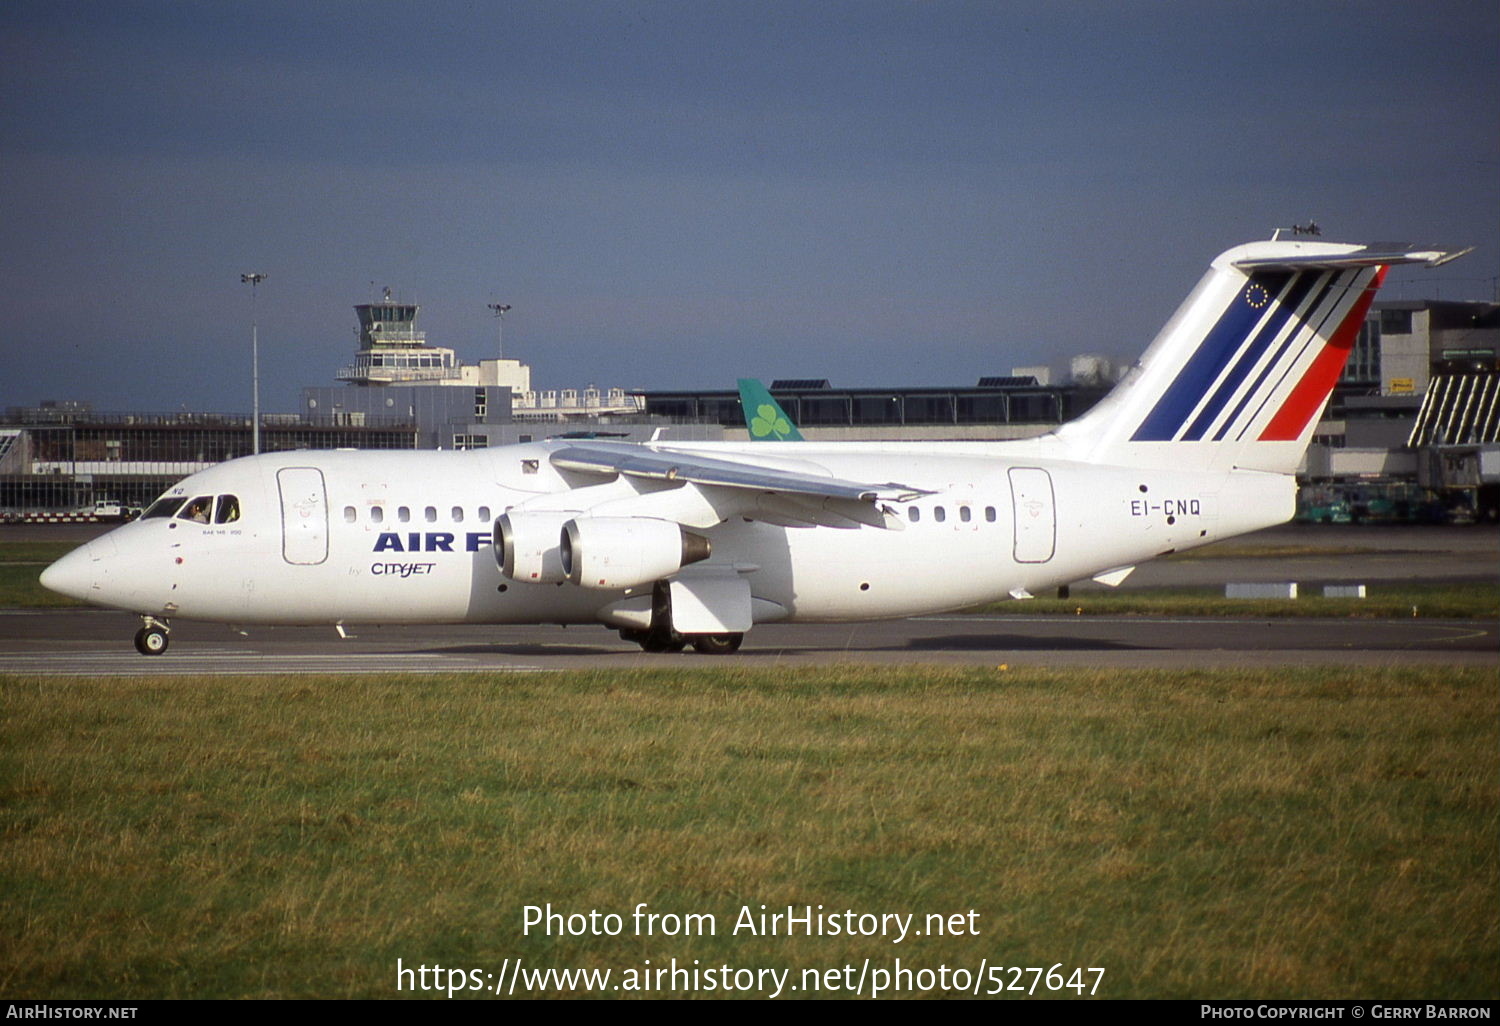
column 676, row 544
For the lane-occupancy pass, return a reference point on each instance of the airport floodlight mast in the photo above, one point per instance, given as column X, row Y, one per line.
column 253, row 279
column 500, row 310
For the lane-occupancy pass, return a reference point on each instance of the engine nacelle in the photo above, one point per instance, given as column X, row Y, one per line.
column 526, row 546
column 625, row 552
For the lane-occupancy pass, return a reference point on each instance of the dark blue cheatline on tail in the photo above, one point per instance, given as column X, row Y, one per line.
column 1286, row 304
column 1305, row 282
column 1224, row 339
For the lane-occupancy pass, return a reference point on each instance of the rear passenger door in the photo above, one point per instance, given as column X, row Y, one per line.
column 1035, row 513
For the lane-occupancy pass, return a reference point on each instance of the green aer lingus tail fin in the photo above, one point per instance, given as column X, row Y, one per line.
column 764, row 416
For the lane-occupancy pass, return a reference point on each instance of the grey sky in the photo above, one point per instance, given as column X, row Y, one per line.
column 674, row 195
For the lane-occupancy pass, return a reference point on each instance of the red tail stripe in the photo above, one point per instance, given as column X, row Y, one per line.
column 1311, row 392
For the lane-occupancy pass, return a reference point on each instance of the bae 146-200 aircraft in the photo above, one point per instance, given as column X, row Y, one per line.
column 677, row 544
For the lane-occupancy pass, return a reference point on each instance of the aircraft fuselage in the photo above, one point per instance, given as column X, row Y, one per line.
column 408, row 537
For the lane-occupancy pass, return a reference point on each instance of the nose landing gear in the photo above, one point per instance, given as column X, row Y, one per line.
column 153, row 637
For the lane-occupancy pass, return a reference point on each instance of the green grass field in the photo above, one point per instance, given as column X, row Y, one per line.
column 21, row 563
column 1296, row 833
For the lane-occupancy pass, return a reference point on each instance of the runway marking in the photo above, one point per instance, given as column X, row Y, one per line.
column 267, row 671
column 1289, row 622
column 1266, row 621
column 109, row 664
column 276, row 671
column 208, row 657
column 1467, row 637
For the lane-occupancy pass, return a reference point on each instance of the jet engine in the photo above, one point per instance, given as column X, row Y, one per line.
column 625, row 552
column 526, row 546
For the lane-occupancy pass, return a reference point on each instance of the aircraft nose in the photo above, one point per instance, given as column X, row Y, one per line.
column 73, row 575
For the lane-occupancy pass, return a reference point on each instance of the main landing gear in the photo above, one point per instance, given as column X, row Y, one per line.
column 654, row 640
column 153, row 637
column 661, row 637
column 717, row 644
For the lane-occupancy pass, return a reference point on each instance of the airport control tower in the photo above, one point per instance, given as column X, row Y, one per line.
column 392, row 351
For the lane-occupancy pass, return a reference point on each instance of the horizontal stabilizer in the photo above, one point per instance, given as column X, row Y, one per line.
column 1367, row 256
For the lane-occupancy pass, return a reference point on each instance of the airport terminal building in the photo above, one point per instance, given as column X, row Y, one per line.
column 1416, row 414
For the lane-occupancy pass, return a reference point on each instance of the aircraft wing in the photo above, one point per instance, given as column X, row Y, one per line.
column 666, row 465
column 733, row 488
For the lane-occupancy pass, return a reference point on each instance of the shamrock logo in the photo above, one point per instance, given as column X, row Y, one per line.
column 768, row 421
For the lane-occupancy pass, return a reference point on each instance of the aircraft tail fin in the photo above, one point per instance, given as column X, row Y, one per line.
column 764, row 416
column 1239, row 374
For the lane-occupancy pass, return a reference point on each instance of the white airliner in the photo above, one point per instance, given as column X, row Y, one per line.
column 677, row 544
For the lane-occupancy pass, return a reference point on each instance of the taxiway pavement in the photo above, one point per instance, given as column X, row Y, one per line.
column 98, row 642
column 94, row 642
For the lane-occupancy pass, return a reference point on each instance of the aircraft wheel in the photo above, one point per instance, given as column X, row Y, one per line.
column 718, row 644
column 151, row 640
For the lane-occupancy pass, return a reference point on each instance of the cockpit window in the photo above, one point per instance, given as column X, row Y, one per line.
column 198, row 509
column 164, row 507
column 228, row 510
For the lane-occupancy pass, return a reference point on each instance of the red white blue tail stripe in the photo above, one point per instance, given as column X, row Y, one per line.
column 1265, row 367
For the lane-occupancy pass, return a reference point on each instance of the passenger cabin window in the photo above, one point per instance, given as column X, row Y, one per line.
column 484, row 514
column 377, row 514
column 458, row 514
column 198, row 510
column 403, row 514
column 913, row 514
column 964, row 514
column 164, row 507
column 989, row 514
column 350, row 514
column 228, row 509
column 430, row 514
column 939, row 514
